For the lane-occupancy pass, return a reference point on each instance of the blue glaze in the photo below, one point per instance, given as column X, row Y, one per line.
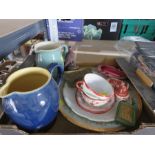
column 36, row 109
column 58, row 75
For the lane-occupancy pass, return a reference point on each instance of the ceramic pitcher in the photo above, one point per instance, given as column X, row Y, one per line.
column 48, row 52
column 30, row 96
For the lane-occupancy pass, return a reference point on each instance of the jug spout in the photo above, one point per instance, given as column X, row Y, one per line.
column 3, row 91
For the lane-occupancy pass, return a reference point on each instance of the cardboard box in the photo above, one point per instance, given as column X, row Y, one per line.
column 102, row 29
column 70, row 29
column 95, row 52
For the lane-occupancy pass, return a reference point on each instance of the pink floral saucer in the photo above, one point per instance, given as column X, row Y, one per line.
column 111, row 71
column 92, row 109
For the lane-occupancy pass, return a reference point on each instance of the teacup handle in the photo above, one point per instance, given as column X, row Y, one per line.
column 64, row 50
column 78, row 85
column 52, row 67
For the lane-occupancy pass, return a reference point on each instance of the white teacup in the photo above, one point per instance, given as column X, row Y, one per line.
column 96, row 87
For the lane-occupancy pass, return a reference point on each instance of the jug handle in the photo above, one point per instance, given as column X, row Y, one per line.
column 52, row 67
column 64, row 51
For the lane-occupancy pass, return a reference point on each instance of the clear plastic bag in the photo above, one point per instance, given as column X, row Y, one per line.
column 144, row 55
column 123, row 43
column 127, row 46
column 135, row 38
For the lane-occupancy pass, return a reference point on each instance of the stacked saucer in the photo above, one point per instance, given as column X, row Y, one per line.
column 95, row 94
column 93, row 109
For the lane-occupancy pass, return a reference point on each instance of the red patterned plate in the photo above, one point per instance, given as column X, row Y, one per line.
column 120, row 88
column 111, row 71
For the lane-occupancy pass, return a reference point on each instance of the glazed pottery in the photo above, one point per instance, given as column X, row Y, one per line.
column 122, row 97
column 90, row 108
column 116, row 83
column 30, row 96
column 120, row 88
column 70, row 100
column 111, row 71
column 94, row 102
column 90, row 99
column 80, row 85
column 122, row 92
column 49, row 52
column 96, row 87
column 1, row 111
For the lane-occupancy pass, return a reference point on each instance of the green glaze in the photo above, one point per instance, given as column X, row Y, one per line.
column 48, row 52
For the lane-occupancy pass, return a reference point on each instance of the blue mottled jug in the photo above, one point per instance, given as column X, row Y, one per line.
column 30, row 96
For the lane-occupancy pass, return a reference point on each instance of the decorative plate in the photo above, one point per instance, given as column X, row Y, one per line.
column 111, row 71
column 86, row 122
column 69, row 97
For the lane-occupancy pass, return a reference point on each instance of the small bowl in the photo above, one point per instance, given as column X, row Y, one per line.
column 120, row 88
column 97, row 86
column 80, row 85
column 116, row 83
column 122, row 97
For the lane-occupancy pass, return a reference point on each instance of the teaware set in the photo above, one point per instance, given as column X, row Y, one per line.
column 30, row 96
column 74, row 101
column 95, row 89
column 99, row 94
column 84, row 104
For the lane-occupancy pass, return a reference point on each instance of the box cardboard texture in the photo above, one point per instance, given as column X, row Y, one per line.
column 110, row 28
column 70, row 29
column 95, row 52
